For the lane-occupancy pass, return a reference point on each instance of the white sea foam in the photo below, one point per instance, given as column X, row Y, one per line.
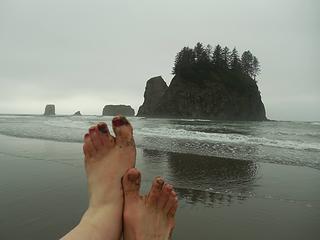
column 165, row 132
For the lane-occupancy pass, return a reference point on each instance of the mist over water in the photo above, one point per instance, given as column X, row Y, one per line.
column 289, row 143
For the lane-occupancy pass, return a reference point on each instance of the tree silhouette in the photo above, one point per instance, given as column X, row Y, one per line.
column 235, row 62
column 256, row 67
column 201, row 54
column 217, row 59
column 202, row 60
column 247, row 63
column 226, row 57
column 208, row 51
column 184, row 59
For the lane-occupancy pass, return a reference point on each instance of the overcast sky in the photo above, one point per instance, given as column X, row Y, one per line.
column 82, row 55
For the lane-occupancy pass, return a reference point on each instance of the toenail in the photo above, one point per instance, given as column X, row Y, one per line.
column 91, row 129
column 119, row 121
column 132, row 177
column 160, row 183
column 103, row 127
column 86, row 135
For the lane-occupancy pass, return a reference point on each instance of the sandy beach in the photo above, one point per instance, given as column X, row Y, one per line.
column 43, row 193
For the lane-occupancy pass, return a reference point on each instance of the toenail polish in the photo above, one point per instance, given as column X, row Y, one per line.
column 119, row 121
column 103, row 128
column 86, row 135
column 91, row 129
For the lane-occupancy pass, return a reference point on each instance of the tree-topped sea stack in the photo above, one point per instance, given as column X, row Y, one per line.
column 50, row 110
column 112, row 110
column 210, row 84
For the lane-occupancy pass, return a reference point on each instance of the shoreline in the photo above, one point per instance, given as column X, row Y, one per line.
column 44, row 193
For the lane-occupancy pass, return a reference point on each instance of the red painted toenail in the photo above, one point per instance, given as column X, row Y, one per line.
column 91, row 129
column 119, row 121
column 86, row 135
column 103, row 127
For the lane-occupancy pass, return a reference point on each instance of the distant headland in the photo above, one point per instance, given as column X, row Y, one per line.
column 211, row 84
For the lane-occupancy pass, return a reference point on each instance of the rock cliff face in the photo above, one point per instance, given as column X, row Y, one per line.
column 50, row 110
column 155, row 89
column 214, row 96
column 112, row 110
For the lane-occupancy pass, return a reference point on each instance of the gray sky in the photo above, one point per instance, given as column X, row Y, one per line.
column 82, row 55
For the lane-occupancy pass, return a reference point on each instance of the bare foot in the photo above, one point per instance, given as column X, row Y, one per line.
column 150, row 217
column 107, row 158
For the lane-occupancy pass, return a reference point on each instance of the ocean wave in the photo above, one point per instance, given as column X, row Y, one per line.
column 226, row 138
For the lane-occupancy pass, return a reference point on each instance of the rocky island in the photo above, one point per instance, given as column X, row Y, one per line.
column 207, row 84
column 50, row 110
column 77, row 113
column 112, row 110
column 155, row 89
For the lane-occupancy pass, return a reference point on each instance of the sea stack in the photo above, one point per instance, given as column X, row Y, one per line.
column 112, row 110
column 77, row 113
column 155, row 89
column 213, row 96
column 50, row 110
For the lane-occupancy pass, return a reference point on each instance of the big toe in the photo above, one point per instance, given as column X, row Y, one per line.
column 131, row 183
column 123, row 131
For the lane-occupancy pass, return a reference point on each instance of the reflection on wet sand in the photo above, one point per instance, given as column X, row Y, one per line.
column 209, row 180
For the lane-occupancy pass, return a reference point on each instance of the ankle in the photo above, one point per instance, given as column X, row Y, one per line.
column 95, row 219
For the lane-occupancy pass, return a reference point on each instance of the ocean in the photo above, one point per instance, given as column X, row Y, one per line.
column 244, row 180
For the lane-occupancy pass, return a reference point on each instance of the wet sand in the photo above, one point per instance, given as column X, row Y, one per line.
column 43, row 193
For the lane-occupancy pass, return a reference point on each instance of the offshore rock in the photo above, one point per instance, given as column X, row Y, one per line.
column 219, row 96
column 50, row 110
column 155, row 89
column 77, row 113
column 112, row 110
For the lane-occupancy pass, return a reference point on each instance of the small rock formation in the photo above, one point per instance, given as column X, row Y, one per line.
column 214, row 96
column 50, row 110
column 155, row 89
column 112, row 110
column 77, row 113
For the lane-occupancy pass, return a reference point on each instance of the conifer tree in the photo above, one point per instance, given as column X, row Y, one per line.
column 235, row 62
column 184, row 59
column 247, row 63
column 226, row 57
column 217, row 57
column 256, row 67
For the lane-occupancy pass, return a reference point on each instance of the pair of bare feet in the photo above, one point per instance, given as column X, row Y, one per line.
column 115, row 205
